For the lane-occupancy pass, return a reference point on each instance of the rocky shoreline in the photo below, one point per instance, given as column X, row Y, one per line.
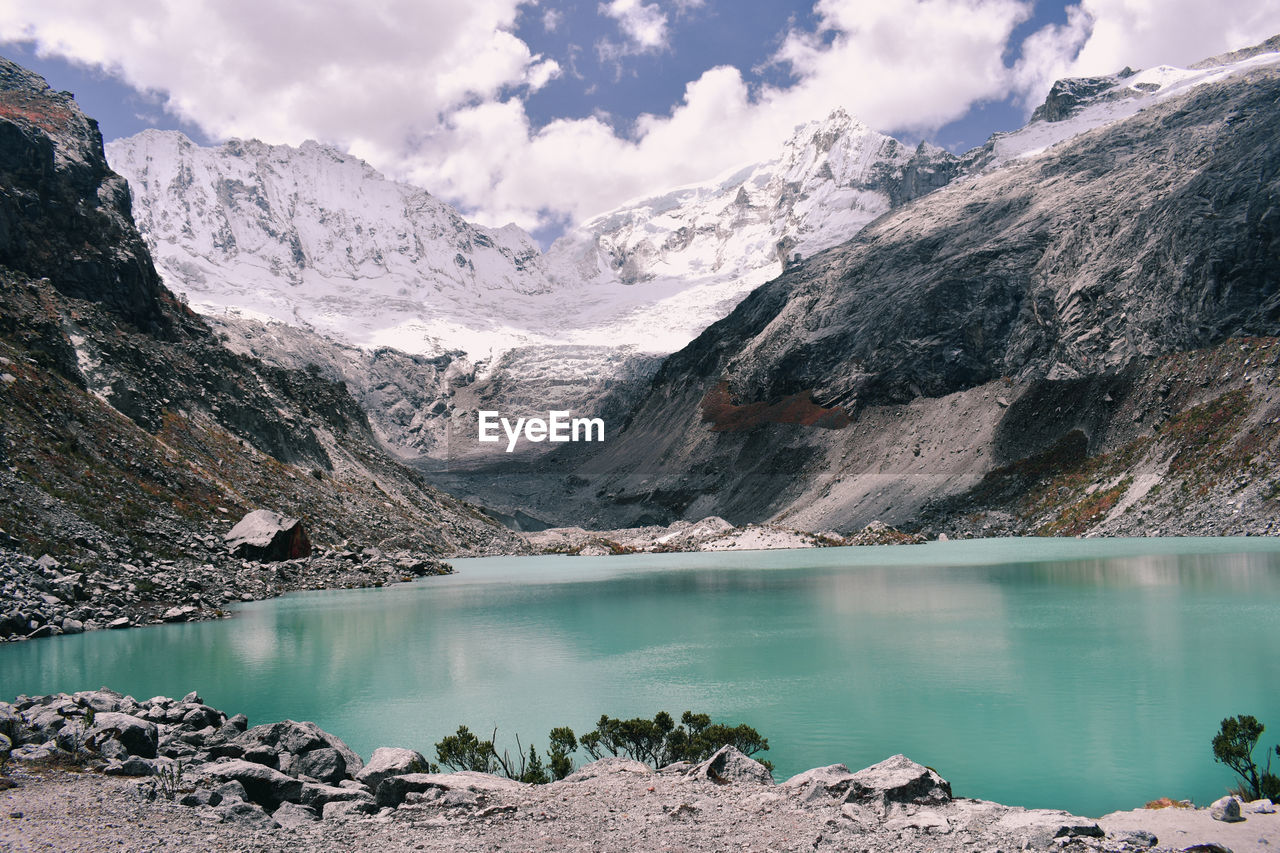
column 44, row 597
column 100, row 769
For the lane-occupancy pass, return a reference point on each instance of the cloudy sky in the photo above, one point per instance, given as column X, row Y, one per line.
column 544, row 112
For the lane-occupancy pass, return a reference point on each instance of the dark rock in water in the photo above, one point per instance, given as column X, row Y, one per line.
column 268, row 537
column 898, row 780
column 730, row 765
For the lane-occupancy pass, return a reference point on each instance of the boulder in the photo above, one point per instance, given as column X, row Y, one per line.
column 325, row 764
column 392, row 790
column 820, row 784
column 317, row 795
column 268, row 537
column 137, row 736
column 1226, row 810
column 898, row 780
column 730, row 765
column 348, row 807
column 262, row 785
column 292, row 814
column 250, row 815
column 132, row 766
column 609, row 767
column 285, row 745
column 391, row 761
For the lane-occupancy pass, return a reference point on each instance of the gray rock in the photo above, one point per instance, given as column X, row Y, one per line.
column 179, row 614
column 263, row 785
column 316, row 795
column 898, row 780
column 297, row 739
column 1079, row 829
column 231, row 790
column 459, row 799
column 391, row 761
column 820, row 784
column 1138, row 838
column 325, row 764
column 1226, row 810
column 347, row 808
column 292, row 814
column 392, row 790
column 1263, row 806
column 137, row 736
column 730, row 765
column 132, row 766
column 250, row 815
column 608, row 767
column 203, row 797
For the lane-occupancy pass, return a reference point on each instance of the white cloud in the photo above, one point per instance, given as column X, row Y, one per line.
column 551, row 20
column 1104, row 36
column 351, row 72
column 644, row 26
column 432, row 90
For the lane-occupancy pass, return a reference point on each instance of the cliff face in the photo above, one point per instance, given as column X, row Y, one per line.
column 63, row 213
column 900, row 367
column 128, row 426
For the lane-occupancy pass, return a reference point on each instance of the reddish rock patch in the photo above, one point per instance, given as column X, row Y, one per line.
column 724, row 415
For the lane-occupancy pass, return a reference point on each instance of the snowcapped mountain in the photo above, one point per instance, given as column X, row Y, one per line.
column 698, row 249
column 314, row 237
column 319, row 239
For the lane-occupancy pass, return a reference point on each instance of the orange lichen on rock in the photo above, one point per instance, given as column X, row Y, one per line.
column 44, row 113
column 724, row 415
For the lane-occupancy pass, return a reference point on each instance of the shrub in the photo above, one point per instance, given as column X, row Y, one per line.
column 1233, row 746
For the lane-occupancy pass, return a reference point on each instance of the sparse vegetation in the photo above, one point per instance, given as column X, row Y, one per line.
column 657, row 742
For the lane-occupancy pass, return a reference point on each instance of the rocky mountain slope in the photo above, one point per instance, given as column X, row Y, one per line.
column 1077, row 338
column 130, row 432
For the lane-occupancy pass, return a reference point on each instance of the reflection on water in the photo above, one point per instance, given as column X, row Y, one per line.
column 1026, row 676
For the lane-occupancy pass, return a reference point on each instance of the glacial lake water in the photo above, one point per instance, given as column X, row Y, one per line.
column 1089, row 675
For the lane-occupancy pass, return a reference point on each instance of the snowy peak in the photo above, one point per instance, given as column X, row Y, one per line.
column 827, row 181
column 312, row 235
column 1076, row 105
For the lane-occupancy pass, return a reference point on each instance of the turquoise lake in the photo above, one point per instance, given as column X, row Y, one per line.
column 1088, row 675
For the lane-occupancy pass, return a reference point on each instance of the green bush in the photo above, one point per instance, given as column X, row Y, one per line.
column 1233, row 746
